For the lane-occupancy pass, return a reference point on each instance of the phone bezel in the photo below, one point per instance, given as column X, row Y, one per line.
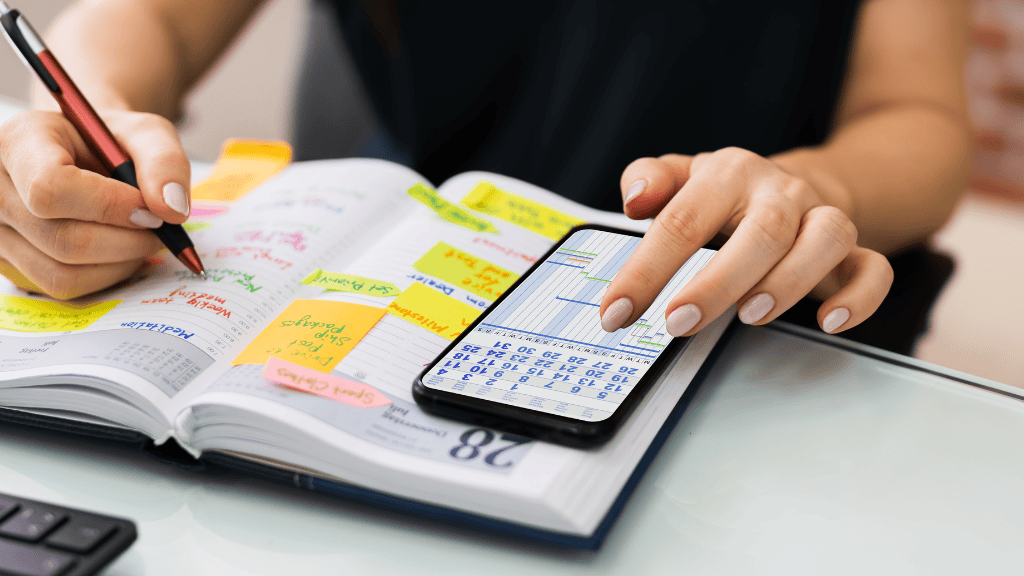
column 535, row 424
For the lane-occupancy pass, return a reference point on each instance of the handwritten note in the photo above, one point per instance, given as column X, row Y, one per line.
column 28, row 315
column 242, row 166
column 337, row 282
column 472, row 273
column 450, row 212
column 442, row 315
column 316, row 334
column 331, row 387
column 520, row 211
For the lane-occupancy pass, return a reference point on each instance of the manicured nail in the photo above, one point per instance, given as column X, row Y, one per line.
column 174, row 196
column 682, row 320
column 145, row 218
column 756, row 308
column 835, row 320
column 616, row 315
column 634, row 190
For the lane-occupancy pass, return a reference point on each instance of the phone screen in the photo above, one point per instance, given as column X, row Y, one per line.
column 542, row 347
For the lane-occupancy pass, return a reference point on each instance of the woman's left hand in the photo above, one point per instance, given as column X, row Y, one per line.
column 786, row 242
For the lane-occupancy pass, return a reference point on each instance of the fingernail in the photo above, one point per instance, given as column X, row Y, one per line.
column 145, row 218
column 616, row 315
column 835, row 319
column 682, row 320
column 634, row 189
column 756, row 308
column 174, row 196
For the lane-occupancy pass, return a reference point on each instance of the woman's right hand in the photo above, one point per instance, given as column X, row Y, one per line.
column 64, row 225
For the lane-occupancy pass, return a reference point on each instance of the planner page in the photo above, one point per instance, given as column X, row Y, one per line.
column 160, row 331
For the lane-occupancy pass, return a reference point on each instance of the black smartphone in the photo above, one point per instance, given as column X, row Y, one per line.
column 537, row 361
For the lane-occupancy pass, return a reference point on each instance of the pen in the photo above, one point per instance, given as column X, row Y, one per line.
column 34, row 53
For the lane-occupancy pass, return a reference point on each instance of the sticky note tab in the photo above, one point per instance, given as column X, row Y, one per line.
column 242, row 166
column 195, row 226
column 324, row 385
column 316, row 334
column 520, row 211
column 337, row 282
column 471, row 273
column 450, row 212
column 442, row 315
column 29, row 315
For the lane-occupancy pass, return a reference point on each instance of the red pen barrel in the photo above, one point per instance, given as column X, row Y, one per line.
column 78, row 110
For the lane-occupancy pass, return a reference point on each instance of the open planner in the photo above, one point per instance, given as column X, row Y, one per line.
column 331, row 286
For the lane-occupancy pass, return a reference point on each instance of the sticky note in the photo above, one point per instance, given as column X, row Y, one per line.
column 195, row 226
column 324, row 385
column 242, row 166
column 316, row 334
column 29, row 315
column 520, row 211
column 337, row 282
column 450, row 212
column 471, row 273
column 430, row 309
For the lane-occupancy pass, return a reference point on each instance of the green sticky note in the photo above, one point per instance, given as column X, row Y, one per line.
column 450, row 212
column 467, row 271
column 337, row 282
column 29, row 315
column 195, row 226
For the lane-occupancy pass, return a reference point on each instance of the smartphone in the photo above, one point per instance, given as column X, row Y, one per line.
column 538, row 363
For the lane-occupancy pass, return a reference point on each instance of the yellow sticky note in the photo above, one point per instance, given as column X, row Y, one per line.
column 28, row 315
column 242, row 166
column 442, row 315
column 337, row 282
column 520, row 211
column 312, row 333
column 195, row 226
column 450, row 212
column 465, row 270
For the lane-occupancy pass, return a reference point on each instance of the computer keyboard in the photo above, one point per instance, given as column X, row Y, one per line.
column 42, row 539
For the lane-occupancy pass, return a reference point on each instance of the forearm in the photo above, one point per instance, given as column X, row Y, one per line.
column 897, row 172
column 121, row 55
column 144, row 55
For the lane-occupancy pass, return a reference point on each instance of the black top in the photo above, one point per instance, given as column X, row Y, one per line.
column 565, row 94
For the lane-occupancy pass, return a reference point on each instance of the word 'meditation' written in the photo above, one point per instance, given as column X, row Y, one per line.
column 315, row 334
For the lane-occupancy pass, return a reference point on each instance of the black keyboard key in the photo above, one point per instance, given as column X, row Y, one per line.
column 6, row 507
column 32, row 523
column 23, row 560
column 81, row 534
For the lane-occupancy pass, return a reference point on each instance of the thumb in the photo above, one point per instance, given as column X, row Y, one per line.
column 649, row 183
column 161, row 166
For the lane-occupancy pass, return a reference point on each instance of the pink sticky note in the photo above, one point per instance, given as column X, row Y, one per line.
column 331, row 387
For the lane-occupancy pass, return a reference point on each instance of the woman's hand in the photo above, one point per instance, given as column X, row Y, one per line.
column 65, row 227
column 785, row 242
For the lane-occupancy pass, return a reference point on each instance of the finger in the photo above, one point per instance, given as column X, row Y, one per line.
column 15, row 276
column 55, row 278
column 162, row 168
column 649, row 183
column 686, row 223
column 764, row 236
column 76, row 241
column 866, row 277
column 825, row 239
column 39, row 156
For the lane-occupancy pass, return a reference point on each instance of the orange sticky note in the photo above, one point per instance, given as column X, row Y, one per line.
column 242, row 166
column 442, row 315
column 315, row 334
column 324, row 385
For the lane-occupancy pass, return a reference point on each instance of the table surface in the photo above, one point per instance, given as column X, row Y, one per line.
column 798, row 455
